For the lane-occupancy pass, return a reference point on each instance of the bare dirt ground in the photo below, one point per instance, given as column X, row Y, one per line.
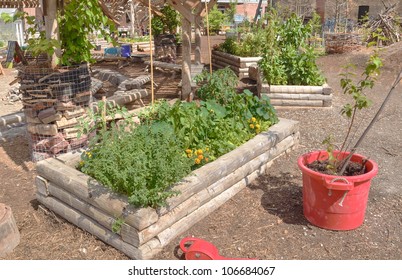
column 263, row 221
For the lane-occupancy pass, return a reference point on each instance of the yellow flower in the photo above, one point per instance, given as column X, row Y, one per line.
column 253, row 119
column 251, row 126
column 206, row 159
column 200, row 157
column 188, row 151
column 257, row 126
column 189, row 155
column 199, row 152
column 197, row 161
column 81, row 163
column 207, row 149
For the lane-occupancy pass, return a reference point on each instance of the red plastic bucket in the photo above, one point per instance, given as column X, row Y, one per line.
column 335, row 202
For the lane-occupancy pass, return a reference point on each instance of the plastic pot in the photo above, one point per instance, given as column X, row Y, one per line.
column 335, row 202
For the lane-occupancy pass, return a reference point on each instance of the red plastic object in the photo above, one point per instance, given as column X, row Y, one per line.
column 335, row 202
column 201, row 250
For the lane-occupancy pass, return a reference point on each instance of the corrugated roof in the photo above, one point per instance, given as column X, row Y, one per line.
column 19, row 4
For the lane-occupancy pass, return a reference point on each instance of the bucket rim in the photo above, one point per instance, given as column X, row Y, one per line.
column 366, row 176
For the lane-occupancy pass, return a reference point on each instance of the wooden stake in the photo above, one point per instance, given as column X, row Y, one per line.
column 186, row 63
column 150, row 51
column 209, row 39
column 51, row 25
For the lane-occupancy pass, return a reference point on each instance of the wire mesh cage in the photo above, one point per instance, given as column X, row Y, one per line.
column 54, row 100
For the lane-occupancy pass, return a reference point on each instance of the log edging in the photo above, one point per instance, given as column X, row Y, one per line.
column 292, row 95
column 238, row 64
column 92, row 207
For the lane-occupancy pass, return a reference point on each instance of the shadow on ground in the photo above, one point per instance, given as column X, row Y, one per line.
column 282, row 197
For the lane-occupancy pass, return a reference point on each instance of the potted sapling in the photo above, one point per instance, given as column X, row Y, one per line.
column 336, row 181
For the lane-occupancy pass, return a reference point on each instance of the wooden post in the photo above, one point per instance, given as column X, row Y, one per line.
column 197, row 54
column 186, row 64
column 51, row 26
column 132, row 17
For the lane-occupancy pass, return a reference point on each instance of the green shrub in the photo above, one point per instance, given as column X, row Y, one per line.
column 142, row 164
column 220, row 86
column 291, row 61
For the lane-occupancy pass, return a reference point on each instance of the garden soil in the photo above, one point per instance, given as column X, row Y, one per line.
column 265, row 220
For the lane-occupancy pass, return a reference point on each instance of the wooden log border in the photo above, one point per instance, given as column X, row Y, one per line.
column 92, row 207
column 238, row 64
column 291, row 95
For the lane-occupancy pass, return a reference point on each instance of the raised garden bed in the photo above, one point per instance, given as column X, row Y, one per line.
column 289, row 95
column 145, row 231
column 238, row 64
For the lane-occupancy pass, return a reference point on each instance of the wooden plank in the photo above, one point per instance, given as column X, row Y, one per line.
column 186, row 60
column 295, row 89
column 299, row 96
column 42, row 185
column 187, row 222
column 87, row 189
column 91, row 226
column 301, row 103
column 10, row 119
column 241, row 62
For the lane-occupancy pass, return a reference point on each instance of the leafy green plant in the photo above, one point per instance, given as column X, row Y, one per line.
column 357, row 91
column 143, row 164
column 116, row 226
column 229, row 46
column 80, row 18
column 219, row 86
column 77, row 20
column 290, row 59
column 167, row 22
column 37, row 41
column 216, row 20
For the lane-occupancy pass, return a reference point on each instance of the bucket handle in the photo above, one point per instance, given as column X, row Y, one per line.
column 334, row 184
column 185, row 240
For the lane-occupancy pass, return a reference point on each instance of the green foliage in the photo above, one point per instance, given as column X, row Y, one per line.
column 145, row 160
column 167, row 22
column 37, row 42
column 2, row 44
column 228, row 46
column 289, row 59
column 79, row 19
column 231, row 11
column 135, row 40
column 116, row 226
column 142, row 164
column 216, row 20
column 220, row 86
column 273, row 68
column 283, row 44
column 356, row 89
column 315, row 23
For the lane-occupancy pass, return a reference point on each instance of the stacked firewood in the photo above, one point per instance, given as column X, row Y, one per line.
column 54, row 101
column 385, row 28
